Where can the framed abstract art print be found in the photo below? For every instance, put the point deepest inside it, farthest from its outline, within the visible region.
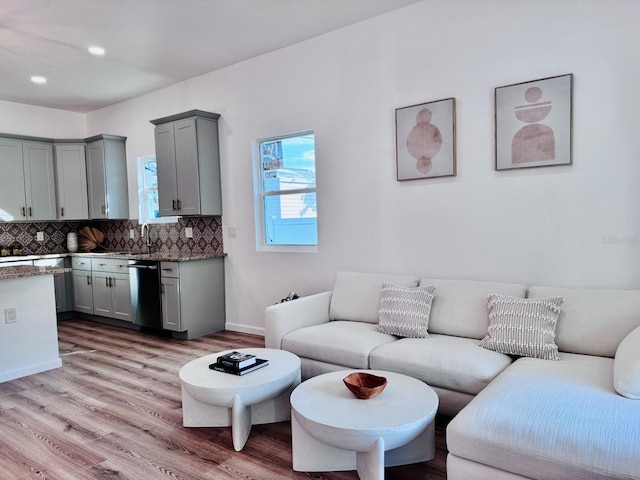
(533, 123)
(426, 140)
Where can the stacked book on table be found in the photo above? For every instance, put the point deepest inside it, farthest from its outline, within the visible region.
(238, 363)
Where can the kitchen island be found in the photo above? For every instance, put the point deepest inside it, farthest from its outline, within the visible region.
(28, 329)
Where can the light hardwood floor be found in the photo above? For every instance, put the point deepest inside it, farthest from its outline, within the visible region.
(113, 411)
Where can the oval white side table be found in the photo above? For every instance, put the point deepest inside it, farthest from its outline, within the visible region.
(216, 399)
(333, 430)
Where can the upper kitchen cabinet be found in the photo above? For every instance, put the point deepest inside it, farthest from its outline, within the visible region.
(27, 186)
(188, 162)
(71, 181)
(107, 177)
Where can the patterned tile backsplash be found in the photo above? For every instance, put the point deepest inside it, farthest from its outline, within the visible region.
(165, 237)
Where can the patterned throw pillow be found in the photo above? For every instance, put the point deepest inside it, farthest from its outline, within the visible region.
(404, 311)
(523, 326)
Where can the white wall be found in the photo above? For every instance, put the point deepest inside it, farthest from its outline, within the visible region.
(30, 345)
(571, 225)
(21, 119)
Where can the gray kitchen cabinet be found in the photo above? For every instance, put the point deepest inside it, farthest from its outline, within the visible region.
(82, 285)
(111, 288)
(188, 162)
(193, 297)
(71, 181)
(63, 283)
(27, 186)
(107, 177)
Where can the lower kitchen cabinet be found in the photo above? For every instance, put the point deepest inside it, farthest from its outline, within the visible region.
(63, 283)
(111, 289)
(82, 285)
(101, 287)
(193, 296)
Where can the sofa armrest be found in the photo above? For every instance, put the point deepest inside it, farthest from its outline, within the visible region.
(282, 318)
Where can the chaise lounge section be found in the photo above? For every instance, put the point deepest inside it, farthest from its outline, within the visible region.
(515, 417)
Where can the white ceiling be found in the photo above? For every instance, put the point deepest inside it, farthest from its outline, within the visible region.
(150, 43)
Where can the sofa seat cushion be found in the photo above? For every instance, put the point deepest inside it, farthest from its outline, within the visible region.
(454, 363)
(342, 343)
(560, 420)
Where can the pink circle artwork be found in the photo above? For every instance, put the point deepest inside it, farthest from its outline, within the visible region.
(424, 141)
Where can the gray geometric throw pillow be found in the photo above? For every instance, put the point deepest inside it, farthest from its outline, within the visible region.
(523, 326)
(404, 311)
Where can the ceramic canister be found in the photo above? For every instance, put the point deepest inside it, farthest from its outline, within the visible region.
(72, 242)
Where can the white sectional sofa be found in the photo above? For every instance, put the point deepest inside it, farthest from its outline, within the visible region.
(515, 417)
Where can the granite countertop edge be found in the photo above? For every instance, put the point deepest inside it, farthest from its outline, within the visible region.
(21, 271)
(156, 256)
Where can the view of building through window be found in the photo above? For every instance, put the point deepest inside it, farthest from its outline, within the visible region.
(288, 190)
(149, 209)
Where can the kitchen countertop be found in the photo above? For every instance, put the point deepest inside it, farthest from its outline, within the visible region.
(20, 271)
(156, 256)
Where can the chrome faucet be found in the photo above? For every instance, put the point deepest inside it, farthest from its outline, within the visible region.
(145, 234)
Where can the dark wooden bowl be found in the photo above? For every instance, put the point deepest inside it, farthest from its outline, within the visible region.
(364, 385)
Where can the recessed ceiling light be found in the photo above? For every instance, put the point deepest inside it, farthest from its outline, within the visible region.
(38, 79)
(96, 51)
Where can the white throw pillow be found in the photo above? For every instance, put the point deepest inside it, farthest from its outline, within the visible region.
(626, 366)
(523, 326)
(404, 311)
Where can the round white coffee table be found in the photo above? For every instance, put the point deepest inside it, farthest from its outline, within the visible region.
(216, 399)
(333, 430)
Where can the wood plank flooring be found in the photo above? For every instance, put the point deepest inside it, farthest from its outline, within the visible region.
(113, 411)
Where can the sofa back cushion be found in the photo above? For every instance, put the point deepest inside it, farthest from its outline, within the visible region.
(459, 307)
(592, 321)
(356, 296)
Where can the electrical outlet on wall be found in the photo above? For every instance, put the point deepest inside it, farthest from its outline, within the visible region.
(40, 237)
(10, 315)
(132, 233)
(188, 232)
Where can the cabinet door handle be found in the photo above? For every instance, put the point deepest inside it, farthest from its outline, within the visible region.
(179, 205)
(88, 280)
(173, 202)
(104, 209)
(62, 211)
(24, 212)
(162, 288)
(30, 212)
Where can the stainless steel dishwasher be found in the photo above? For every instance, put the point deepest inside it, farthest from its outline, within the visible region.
(146, 300)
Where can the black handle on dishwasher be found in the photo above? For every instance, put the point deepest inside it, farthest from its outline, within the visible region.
(147, 267)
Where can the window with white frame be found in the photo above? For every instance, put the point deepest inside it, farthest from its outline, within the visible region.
(149, 210)
(285, 184)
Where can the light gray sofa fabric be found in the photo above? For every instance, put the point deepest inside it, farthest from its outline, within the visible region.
(342, 343)
(356, 296)
(454, 363)
(592, 321)
(551, 420)
(459, 307)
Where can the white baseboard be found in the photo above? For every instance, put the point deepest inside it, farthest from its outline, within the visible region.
(30, 370)
(238, 327)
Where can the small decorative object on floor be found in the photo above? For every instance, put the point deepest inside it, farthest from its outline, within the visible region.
(364, 385)
(72, 242)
